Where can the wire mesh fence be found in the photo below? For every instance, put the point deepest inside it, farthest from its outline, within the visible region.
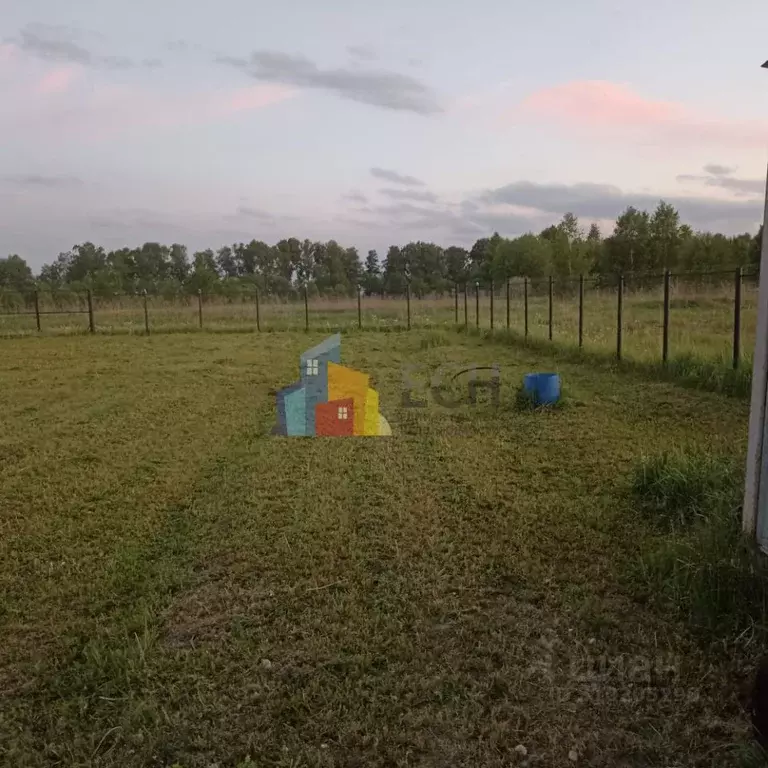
(646, 317)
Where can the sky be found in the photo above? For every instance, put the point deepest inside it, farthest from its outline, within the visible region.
(373, 123)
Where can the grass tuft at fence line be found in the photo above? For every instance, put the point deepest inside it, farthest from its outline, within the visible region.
(676, 489)
(702, 566)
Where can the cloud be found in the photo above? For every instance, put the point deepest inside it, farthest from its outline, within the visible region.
(604, 108)
(380, 88)
(424, 196)
(255, 213)
(362, 52)
(106, 110)
(65, 44)
(254, 97)
(355, 197)
(604, 201)
(452, 222)
(721, 177)
(396, 178)
(718, 170)
(57, 80)
(35, 180)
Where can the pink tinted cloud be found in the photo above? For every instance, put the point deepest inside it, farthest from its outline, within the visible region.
(107, 110)
(604, 109)
(254, 97)
(7, 52)
(597, 102)
(58, 80)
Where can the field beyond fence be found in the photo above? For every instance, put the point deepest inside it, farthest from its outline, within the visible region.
(707, 316)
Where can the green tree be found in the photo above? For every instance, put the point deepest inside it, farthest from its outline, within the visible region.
(628, 248)
(204, 276)
(394, 272)
(226, 262)
(755, 250)
(372, 282)
(593, 248)
(15, 274)
(664, 231)
(456, 264)
(480, 259)
(178, 267)
(85, 262)
(288, 259)
(526, 256)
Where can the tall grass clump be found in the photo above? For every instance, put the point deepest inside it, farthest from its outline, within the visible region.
(674, 490)
(702, 567)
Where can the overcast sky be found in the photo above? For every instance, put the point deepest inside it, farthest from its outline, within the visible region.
(373, 123)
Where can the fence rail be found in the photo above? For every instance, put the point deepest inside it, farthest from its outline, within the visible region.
(691, 304)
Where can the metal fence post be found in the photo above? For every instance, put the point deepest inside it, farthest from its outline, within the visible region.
(581, 311)
(456, 303)
(91, 325)
(306, 309)
(258, 318)
(146, 313)
(525, 303)
(491, 304)
(477, 303)
(507, 303)
(665, 329)
(550, 307)
(408, 301)
(619, 308)
(466, 313)
(200, 307)
(737, 317)
(37, 309)
(359, 310)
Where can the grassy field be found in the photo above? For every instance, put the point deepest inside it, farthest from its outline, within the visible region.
(179, 587)
(701, 317)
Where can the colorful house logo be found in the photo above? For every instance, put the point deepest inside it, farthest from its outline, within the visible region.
(330, 400)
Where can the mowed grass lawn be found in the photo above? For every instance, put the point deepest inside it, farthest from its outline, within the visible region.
(179, 587)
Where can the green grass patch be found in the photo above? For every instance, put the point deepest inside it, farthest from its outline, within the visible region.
(676, 489)
(703, 568)
(180, 587)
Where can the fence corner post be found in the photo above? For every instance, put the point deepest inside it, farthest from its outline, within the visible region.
(507, 303)
(306, 309)
(491, 310)
(665, 327)
(408, 301)
(146, 313)
(200, 307)
(91, 324)
(551, 283)
(619, 313)
(737, 281)
(456, 303)
(581, 311)
(525, 304)
(359, 309)
(37, 309)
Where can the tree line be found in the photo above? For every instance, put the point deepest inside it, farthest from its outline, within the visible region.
(640, 242)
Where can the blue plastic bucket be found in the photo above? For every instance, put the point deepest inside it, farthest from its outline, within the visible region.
(543, 388)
